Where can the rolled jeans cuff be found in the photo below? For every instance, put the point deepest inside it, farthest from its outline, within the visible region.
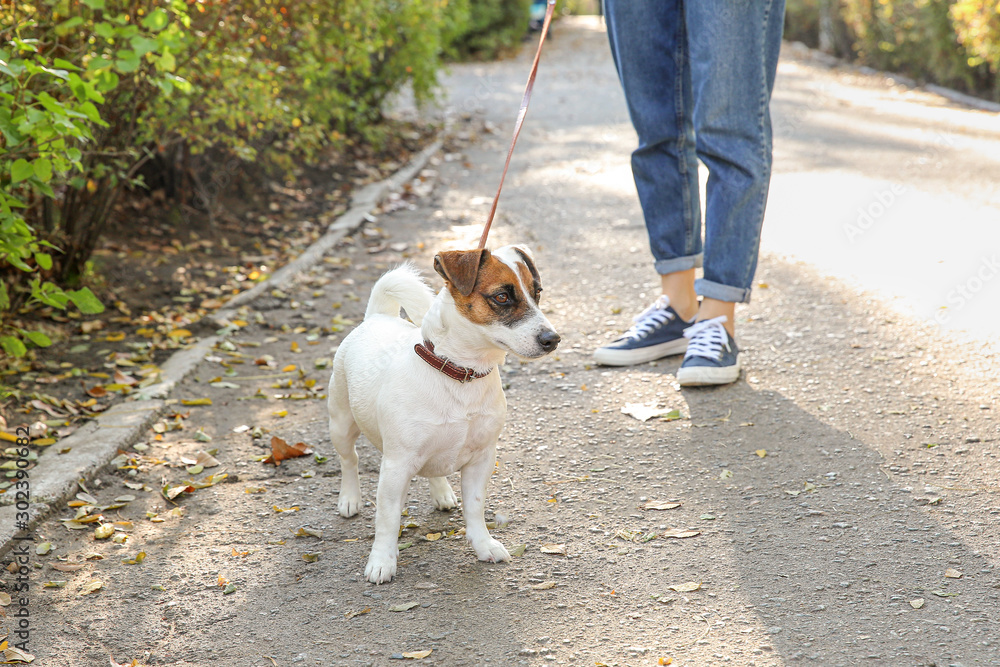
(720, 292)
(674, 264)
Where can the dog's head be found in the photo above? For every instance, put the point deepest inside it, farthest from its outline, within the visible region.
(499, 292)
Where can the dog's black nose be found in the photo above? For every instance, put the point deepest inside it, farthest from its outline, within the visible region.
(548, 339)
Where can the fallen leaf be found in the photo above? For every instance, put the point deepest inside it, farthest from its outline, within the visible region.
(686, 587)
(56, 584)
(281, 450)
(68, 567)
(544, 586)
(518, 550)
(762, 453)
(725, 474)
(646, 411)
(432, 537)
(310, 557)
(122, 378)
(945, 594)
(196, 401)
(952, 573)
(4, 599)
(177, 334)
(680, 533)
(558, 549)
(230, 588)
(90, 587)
(13, 654)
(660, 505)
(279, 510)
(352, 614)
(309, 532)
(139, 557)
(917, 603)
(417, 655)
(406, 606)
(104, 531)
(43, 548)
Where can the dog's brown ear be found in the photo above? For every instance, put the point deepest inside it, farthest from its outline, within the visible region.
(460, 267)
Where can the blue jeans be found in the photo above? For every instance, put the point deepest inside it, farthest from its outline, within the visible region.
(698, 77)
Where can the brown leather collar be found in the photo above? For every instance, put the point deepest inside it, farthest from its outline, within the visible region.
(426, 352)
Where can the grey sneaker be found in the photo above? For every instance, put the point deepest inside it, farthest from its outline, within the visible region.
(712, 356)
(657, 332)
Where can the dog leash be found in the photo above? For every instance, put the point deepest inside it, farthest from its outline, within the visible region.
(520, 119)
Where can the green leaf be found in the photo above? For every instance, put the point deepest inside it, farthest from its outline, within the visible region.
(21, 170)
(43, 169)
(127, 61)
(44, 260)
(36, 337)
(156, 21)
(65, 64)
(104, 29)
(13, 346)
(67, 26)
(85, 300)
(4, 299)
(94, 4)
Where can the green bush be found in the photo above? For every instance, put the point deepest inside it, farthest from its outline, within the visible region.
(494, 27)
(92, 92)
(955, 43)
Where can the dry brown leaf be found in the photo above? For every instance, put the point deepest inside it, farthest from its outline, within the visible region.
(13, 655)
(686, 587)
(680, 533)
(352, 614)
(917, 603)
(417, 655)
(122, 378)
(544, 586)
(281, 450)
(558, 549)
(90, 587)
(68, 567)
(660, 505)
(952, 573)
(432, 537)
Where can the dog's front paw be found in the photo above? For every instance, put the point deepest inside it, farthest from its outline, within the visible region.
(380, 569)
(491, 551)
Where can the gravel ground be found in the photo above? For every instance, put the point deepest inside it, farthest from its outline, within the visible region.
(837, 506)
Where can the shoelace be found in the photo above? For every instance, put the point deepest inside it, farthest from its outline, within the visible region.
(707, 338)
(649, 319)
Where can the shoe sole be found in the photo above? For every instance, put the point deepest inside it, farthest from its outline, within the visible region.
(701, 376)
(609, 357)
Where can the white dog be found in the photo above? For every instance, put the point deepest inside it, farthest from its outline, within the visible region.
(428, 393)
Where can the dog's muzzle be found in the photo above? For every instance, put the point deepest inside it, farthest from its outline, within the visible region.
(548, 340)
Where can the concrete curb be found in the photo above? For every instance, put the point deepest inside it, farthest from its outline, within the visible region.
(54, 480)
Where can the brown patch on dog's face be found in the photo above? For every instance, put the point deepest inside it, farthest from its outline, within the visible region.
(496, 295)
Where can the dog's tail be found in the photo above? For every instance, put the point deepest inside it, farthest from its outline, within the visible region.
(403, 287)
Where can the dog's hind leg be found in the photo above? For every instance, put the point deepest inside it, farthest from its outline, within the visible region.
(344, 433)
(442, 494)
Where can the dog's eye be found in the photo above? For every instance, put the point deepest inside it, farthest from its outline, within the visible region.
(502, 298)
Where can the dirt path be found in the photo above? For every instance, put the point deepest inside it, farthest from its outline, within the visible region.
(832, 490)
